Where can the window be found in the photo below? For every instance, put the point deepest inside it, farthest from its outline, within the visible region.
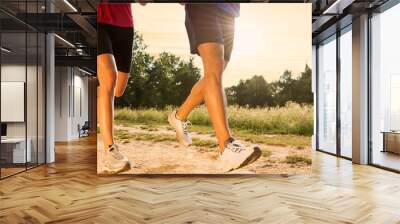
(327, 95)
(346, 92)
(385, 88)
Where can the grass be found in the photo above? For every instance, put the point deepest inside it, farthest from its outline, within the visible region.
(298, 141)
(121, 134)
(296, 159)
(124, 135)
(291, 119)
(266, 153)
(204, 143)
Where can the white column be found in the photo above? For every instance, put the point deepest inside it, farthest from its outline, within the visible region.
(50, 93)
(360, 90)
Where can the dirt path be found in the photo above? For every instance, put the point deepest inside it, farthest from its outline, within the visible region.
(168, 157)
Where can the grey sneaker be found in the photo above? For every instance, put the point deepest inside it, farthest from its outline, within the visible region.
(237, 155)
(114, 161)
(181, 129)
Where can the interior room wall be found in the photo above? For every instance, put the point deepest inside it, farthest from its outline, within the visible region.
(70, 83)
(92, 103)
(14, 73)
(61, 103)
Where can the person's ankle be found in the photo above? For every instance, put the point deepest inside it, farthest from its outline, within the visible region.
(108, 146)
(179, 117)
(225, 143)
(228, 140)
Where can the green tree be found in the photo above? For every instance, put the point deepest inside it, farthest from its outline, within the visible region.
(257, 92)
(157, 82)
(141, 66)
(253, 92)
(284, 88)
(302, 89)
(167, 80)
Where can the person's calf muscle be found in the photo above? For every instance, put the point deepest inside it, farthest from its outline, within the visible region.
(122, 81)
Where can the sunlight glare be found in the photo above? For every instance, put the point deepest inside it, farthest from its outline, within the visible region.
(248, 37)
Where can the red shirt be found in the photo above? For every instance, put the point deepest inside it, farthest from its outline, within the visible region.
(117, 14)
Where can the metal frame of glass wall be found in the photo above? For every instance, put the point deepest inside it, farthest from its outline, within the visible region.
(31, 43)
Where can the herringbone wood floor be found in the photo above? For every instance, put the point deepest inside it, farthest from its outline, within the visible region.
(69, 191)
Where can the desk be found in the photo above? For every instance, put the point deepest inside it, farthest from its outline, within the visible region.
(391, 141)
(16, 154)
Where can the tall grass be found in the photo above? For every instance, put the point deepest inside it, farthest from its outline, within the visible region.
(290, 119)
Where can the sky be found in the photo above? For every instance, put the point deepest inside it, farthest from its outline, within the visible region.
(269, 38)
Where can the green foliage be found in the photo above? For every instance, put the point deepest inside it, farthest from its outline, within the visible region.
(141, 116)
(204, 143)
(266, 153)
(257, 92)
(292, 89)
(157, 82)
(292, 119)
(295, 159)
(121, 134)
(253, 92)
(297, 141)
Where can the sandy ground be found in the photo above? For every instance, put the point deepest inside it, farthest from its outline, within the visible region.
(169, 157)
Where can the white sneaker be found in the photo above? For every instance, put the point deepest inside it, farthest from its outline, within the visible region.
(181, 129)
(114, 161)
(237, 155)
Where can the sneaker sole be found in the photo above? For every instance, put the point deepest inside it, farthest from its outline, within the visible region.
(125, 168)
(176, 133)
(251, 159)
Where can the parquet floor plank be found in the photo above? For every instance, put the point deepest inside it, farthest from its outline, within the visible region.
(70, 191)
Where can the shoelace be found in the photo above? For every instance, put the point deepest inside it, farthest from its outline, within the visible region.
(185, 125)
(236, 147)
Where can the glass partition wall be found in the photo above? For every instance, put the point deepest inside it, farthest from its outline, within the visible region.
(334, 93)
(385, 89)
(327, 95)
(22, 77)
(345, 64)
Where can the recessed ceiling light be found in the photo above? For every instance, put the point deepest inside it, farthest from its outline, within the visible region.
(84, 71)
(338, 6)
(70, 5)
(5, 50)
(65, 41)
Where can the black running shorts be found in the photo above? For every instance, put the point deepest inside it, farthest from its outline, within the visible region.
(117, 41)
(208, 23)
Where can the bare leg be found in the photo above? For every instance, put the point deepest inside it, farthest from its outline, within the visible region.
(195, 98)
(122, 81)
(107, 75)
(210, 90)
